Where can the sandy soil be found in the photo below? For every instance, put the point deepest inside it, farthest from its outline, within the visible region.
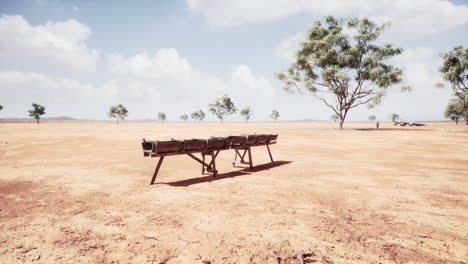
(80, 193)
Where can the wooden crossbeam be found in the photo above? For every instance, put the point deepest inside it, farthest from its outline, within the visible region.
(199, 160)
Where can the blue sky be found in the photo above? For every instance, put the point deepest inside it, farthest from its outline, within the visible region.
(80, 57)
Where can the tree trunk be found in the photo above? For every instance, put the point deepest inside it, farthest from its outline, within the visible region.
(37, 120)
(456, 121)
(342, 117)
(117, 121)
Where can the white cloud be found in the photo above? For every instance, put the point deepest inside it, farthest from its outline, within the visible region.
(146, 84)
(289, 46)
(22, 87)
(64, 96)
(57, 42)
(244, 81)
(249, 89)
(165, 64)
(409, 18)
(179, 81)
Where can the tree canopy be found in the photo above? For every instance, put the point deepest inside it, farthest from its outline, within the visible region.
(246, 113)
(274, 114)
(198, 115)
(119, 112)
(455, 110)
(372, 118)
(37, 111)
(342, 64)
(222, 107)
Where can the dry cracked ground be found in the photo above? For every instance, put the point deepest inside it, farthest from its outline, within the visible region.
(80, 193)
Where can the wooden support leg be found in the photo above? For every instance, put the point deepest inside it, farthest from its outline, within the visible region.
(157, 169)
(203, 164)
(243, 155)
(235, 159)
(250, 157)
(269, 152)
(213, 157)
(214, 165)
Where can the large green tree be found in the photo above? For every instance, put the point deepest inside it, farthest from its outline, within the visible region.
(343, 64)
(37, 111)
(119, 112)
(454, 70)
(222, 107)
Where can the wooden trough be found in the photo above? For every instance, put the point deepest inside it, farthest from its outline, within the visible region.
(207, 147)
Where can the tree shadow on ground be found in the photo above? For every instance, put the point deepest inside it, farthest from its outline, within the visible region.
(221, 176)
(392, 129)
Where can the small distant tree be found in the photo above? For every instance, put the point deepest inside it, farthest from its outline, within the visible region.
(1, 107)
(184, 117)
(454, 110)
(222, 107)
(198, 115)
(246, 113)
(334, 117)
(342, 63)
(372, 119)
(454, 70)
(119, 112)
(37, 111)
(394, 117)
(162, 117)
(275, 114)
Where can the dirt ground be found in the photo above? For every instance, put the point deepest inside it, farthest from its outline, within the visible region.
(80, 193)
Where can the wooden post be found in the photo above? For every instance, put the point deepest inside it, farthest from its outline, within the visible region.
(203, 164)
(213, 160)
(250, 157)
(157, 169)
(269, 152)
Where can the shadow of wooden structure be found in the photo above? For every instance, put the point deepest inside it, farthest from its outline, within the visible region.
(208, 147)
(245, 171)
